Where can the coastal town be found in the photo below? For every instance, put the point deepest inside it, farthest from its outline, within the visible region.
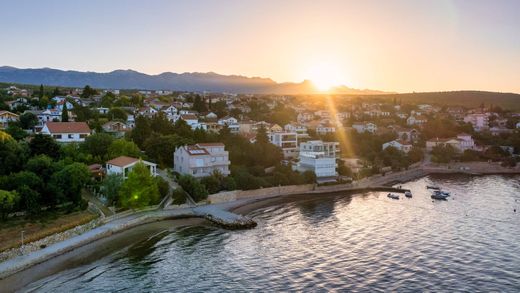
(77, 159)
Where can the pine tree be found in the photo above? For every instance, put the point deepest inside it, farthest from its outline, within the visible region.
(40, 94)
(65, 113)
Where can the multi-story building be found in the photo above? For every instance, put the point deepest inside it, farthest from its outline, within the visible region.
(362, 127)
(401, 145)
(201, 160)
(460, 143)
(478, 121)
(319, 157)
(287, 141)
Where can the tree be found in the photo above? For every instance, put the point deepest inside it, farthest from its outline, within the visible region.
(16, 131)
(65, 113)
(88, 92)
(443, 154)
(70, 180)
(117, 114)
(140, 189)
(28, 120)
(199, 105)
(30, 200)
(42, 166)
(108, 100)
(8, 200)
(141, 131)
(121, 147)
(161, 124)
(211, 183)
(13, 155)
(193, 187)
(97, 145)
(40, 93)
(44, 145)
(111, 186)
(160, 148)
(261, 136)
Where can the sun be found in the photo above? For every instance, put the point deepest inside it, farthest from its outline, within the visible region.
(324, 76)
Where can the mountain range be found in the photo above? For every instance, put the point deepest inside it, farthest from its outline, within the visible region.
(188, 81)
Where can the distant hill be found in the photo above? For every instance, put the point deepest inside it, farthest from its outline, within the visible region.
(129, 79)
(458, 98)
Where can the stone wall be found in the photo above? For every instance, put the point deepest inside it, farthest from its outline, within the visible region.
(259, 193)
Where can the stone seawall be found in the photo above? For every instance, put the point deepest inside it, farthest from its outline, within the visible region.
(258, 193)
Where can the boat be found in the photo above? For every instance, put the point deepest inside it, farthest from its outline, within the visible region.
(445, 193)
(408, 193)
(432, 187)
(437, 194)
(392, 196)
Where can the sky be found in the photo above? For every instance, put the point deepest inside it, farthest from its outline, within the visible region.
(392, 45)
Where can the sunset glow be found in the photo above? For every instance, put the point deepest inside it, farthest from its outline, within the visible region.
(324, 76)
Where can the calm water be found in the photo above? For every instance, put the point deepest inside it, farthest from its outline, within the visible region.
(361, 243)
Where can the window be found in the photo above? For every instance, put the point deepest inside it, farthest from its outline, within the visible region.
(71, 136)
(57, 136)
(83, 135)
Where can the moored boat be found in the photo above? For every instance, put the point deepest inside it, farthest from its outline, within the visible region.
(437, 194)
(408, 193)
(392, 196)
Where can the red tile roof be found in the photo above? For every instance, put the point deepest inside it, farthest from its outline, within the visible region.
(68, 127)
(122, 161)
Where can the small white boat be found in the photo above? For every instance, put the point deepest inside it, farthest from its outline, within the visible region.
(392, 196)
(437, 194)
(408, 193)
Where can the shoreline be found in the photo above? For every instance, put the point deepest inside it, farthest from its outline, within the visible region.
(23, 270)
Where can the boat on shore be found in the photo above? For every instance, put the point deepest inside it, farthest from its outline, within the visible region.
(440, 195)
(392, 196)
(408, 193)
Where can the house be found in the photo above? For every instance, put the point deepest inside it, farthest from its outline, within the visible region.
(287, 141)
(415, 120)
(275, 128)
(300, 130)
(322, 114)
(170, 110)
(325, 129)
(67, 131)
(479, 121)
(362, 127)
(7, 117)
(201, 160)
(123, 165)
(115, 128)
(49, 115)
(517, 125)
(305, 116)
(147, 111)
(400, 145)
(231, 123)
(101, 110)
(193, 121)
(405, 134)
(460, 143)
(319, 157)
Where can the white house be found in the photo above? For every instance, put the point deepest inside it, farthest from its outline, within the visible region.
(413, 120)
(191, 120)
(231, 123)
(401, 145)
(460, 143)
(322, 113)
(67, 131)
(319, 157)
(325, 129)
(305, 116)
(49, 115)
(7, 117)
(201, 160)
(123, 165)
(287, 141)
(478, 121)
(362, 127)
(301, 130)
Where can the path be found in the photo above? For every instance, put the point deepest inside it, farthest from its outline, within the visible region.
(173, 185)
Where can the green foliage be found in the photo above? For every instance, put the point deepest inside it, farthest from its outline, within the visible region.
(199, 104)
(212, 184)
(110, 187)
(44, 145)
(13, 156)
(97, 145)
(16, 131)
(443, 154)
(70, 180)
(8, 200)
(65, 113)
(141, 131)
(117, 114)
(309, 177)
(178, 196)
(193, 187)
(139, 189)
(162, 185)
(88, 92)
(30, 200)
(28, 120)
(121, 147)
(160, 148)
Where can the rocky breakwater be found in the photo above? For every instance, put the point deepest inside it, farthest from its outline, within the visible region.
(224, 218)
